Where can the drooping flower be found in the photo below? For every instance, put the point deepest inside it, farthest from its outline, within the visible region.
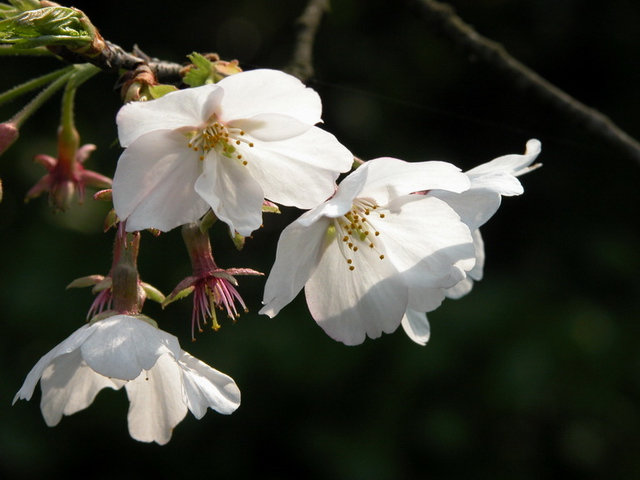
(374, 250)
(162, 381)
(212, 287)
(67, 178)
(489, 183)
(225, 146)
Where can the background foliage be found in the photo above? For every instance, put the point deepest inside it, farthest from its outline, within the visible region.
(536, 374)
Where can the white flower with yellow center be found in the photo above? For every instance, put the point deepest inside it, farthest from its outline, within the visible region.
(225, 146)
(374, 250)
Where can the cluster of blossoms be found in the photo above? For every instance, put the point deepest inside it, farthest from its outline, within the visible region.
(379, 250)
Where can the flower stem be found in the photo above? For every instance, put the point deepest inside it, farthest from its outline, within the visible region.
(81, 74)
(126, 297)
(199, 248)
(19, 118)
(32, 84)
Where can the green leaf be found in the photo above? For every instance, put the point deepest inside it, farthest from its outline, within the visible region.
(200, 73)
(46, 27)
(158, 91)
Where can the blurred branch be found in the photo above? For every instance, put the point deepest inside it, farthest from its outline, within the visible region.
(442, 17)
(301, 65)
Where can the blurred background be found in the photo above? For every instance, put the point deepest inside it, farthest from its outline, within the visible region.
(534, 375)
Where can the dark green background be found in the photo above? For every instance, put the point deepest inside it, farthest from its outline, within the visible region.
(534, 375)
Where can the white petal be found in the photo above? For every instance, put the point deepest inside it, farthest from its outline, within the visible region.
(389, 178)
(513, 164)
(426, 241)
(427, 299)
(271, 127)
(69, 385)
(475, 206)
(299, 250)
(465, 286)
(184, 109)
(157, 404)
(268, 91)
(300, 171)
(70, 344)
(502, 183)
(352, 304)
(153, 186)
(123, 347)
(233, 194)
(205, 387)
(416, 326)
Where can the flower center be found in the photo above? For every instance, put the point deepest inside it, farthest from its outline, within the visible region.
(219, 137)
(355, 230)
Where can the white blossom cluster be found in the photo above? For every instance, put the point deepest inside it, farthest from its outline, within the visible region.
(378, 250)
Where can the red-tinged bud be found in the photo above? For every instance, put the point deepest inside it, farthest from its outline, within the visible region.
(67, 177)
(8, 134)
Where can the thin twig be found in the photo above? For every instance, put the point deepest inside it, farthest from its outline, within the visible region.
(301, 65)
(443, 18)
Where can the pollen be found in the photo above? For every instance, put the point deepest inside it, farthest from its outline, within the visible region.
(221, 138)
(357, 229)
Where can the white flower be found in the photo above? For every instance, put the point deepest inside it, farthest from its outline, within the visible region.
(489, 183)
(374, 250)
(224, 146)
(162, 381)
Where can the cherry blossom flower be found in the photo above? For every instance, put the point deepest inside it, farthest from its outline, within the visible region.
(374, 250)
(161, 380)
(225, 146)
(489, 183)
(67, 178)
(212, 287)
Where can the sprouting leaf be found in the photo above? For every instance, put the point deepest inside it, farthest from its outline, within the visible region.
(46, 27)
(200, 73)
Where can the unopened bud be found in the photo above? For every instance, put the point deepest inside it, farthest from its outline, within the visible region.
(8, 134)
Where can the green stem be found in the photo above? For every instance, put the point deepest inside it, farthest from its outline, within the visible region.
(81, 74)
(30, 108)
(76, 76)
(32, 84)
(31, 52)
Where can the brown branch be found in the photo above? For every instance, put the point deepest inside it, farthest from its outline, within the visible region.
(443, 18)
(114, 59)
(301, 65)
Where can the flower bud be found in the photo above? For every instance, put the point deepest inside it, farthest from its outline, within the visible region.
(8, 134)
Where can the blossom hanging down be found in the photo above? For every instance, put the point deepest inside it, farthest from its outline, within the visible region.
(162, 380)
(489, 183)
(374, 249)
(224, 146)
(212, 287)
(67, 178)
